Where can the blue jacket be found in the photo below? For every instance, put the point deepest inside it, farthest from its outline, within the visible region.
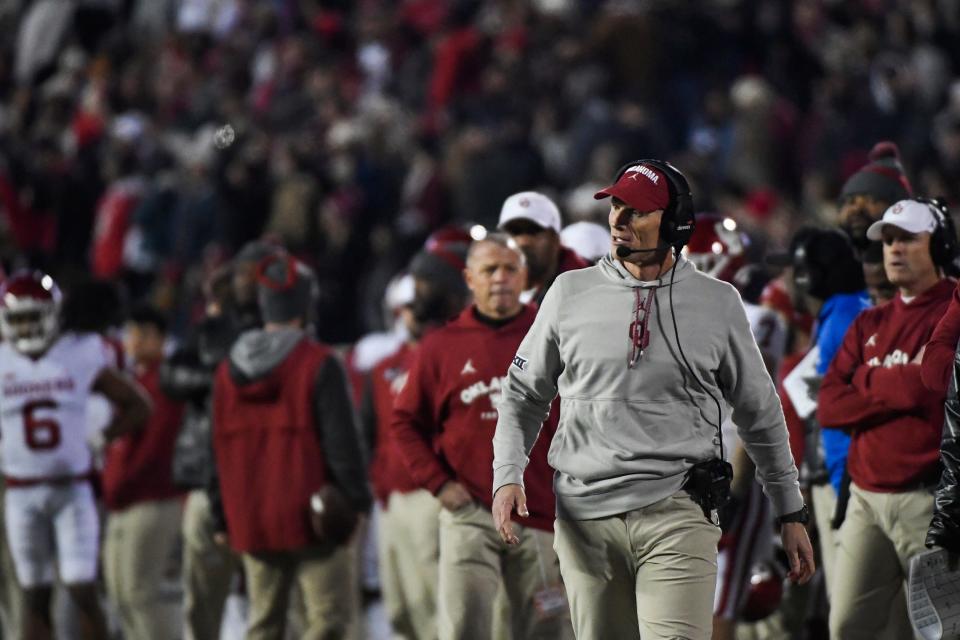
(835, 317)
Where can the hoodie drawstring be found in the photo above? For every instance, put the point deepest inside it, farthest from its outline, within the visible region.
(639, 332)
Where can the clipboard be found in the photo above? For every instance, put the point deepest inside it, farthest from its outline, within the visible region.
(795, 384)
(933, 595)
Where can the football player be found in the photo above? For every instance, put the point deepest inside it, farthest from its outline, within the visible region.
(46, 379)
(717, 248)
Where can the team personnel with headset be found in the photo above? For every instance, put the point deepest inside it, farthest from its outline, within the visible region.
(874, 390)
(642, 349)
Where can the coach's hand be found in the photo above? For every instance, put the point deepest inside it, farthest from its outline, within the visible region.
(454, 496)
(796, 543)
(508, 498)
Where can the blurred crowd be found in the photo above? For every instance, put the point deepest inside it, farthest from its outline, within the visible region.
(147, 140)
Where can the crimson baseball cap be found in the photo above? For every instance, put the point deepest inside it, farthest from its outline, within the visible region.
(641, 187)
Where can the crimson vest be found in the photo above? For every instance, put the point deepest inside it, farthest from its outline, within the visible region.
(268, 453)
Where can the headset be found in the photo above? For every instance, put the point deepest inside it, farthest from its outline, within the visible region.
(678, 220)
(833, 269)
(943, 240)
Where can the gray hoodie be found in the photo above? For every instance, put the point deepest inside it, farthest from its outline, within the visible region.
(628, 436)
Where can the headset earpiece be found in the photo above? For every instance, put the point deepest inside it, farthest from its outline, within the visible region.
(811, 268)
(678, 221)
(943, 241)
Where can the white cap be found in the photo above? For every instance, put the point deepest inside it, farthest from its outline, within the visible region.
(533, 206)
(588, 239)
(400, 292)
(909, 215)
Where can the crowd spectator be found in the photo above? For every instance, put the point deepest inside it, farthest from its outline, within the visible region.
(146, 139)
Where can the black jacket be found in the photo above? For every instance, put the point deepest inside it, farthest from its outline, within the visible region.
(188, 376)
(944, 529)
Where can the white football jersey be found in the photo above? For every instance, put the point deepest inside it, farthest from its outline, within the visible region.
(769, 331)
(43, 407)
(771, 335)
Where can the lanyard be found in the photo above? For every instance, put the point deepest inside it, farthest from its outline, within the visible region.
(639, 328)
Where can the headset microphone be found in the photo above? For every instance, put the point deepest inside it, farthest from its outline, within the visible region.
(623, 252)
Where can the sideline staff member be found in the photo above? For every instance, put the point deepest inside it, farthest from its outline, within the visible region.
(640, 370)
(443, 421)
(873, 390)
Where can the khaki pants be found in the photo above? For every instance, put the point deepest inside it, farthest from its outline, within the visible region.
(473, 560)
(207, 570)
(11, 595)
(824, 498)
(327, 580)
(139, 544)
(409, 547)
(648, 573)
(882, 531)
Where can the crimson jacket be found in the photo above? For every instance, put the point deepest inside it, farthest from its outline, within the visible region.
(283, 427)
(568, 261)
(873, 389)
(445, 416)
(937, 365)
(137, 466)
(388, 473)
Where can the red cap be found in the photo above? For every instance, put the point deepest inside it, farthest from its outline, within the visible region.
(641, 187)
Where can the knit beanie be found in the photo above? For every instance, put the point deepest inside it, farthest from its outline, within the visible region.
(286, 289)
(255, 251)
(443, 259)
(883, 177)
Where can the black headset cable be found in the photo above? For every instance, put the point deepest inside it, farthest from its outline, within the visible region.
(676, 333)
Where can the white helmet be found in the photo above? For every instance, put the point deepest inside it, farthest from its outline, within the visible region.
(588, 239)
(29, 311)
(717, 246)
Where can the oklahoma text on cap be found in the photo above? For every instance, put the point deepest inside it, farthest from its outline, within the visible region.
(641, 187)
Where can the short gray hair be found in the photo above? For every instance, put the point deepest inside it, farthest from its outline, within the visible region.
(500, 239)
